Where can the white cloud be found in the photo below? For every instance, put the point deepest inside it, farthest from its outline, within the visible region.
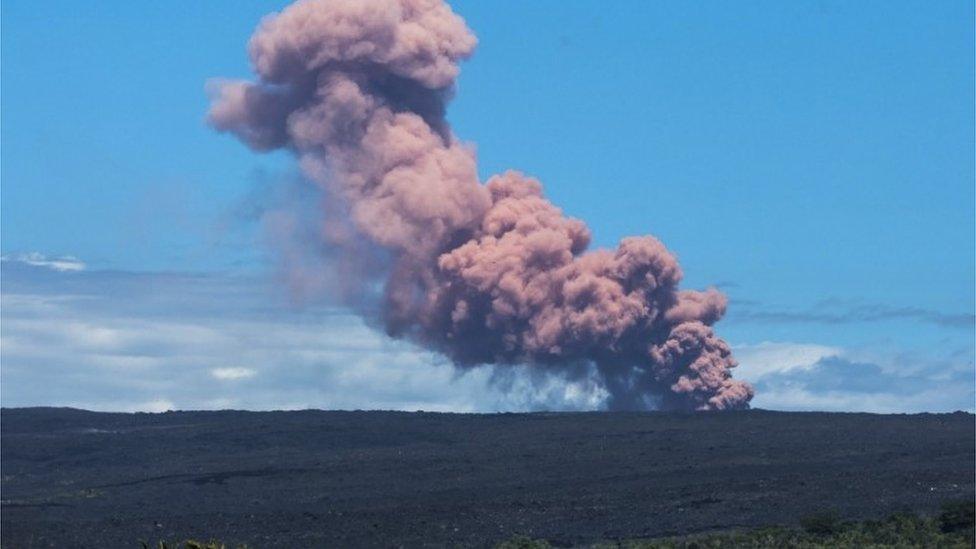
(839, 383)
(158, 405)
(118, 347)
(770, 357)
(63, 263)
(152, 341)
(942, 399)
(155, 406)
(232, 373)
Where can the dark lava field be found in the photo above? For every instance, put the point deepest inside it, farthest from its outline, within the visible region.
(72, 478)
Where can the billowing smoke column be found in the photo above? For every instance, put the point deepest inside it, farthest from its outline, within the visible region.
(483, 273)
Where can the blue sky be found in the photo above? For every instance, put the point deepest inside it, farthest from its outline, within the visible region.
(813, 159)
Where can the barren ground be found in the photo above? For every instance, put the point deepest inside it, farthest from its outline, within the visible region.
(72, 478)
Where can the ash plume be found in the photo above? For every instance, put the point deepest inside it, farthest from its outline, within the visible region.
(485, 273)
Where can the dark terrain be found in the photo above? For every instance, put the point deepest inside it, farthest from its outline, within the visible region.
(72, 478)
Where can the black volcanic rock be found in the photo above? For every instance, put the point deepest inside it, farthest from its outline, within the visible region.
(73, 478)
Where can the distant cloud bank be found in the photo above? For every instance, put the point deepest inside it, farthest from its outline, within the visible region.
(64, 263)
(126, 341)
(850, 312)
(110, 340)
(811, 377)
(231, 374)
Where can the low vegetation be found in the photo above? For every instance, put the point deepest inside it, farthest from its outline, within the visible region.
(953, 528)
(190, 544)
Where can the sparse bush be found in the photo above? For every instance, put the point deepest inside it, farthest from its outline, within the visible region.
(524, 542)
(903, 530)
(189, 544)
(826, 523)
(958, 516)
(953, 529)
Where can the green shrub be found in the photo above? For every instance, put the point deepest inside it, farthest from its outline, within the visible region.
(958, 516)
(953, 529)
(189, 544)
(524, 542)
(826, 523)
